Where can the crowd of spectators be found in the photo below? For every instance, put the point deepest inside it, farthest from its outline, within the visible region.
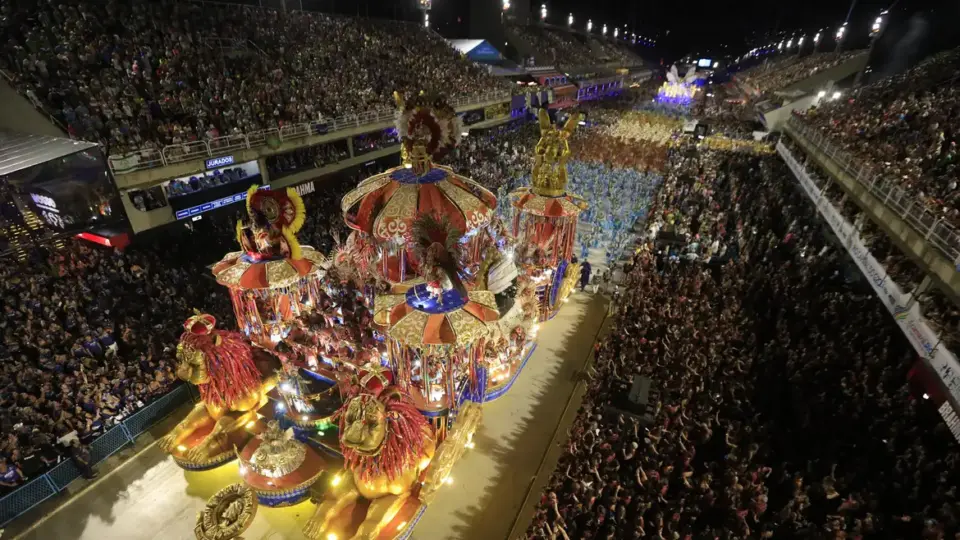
(496, 157)
(200, 182)
(938, 310)
(311, 157)
(556, 47)
(726, 113)
(150, 74)
(614, 52)
(79, 352)
(905, 129)
(371, 142)
(780, 402)
(787, 70)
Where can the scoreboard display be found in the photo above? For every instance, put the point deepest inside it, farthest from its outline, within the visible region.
(72, 193)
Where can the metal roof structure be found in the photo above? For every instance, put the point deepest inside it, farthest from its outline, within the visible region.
(20, 151)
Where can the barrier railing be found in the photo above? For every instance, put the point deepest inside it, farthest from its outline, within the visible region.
(113, 440)
(937, 232)
(179, 153)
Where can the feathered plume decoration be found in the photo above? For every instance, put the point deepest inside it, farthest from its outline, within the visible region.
(436, 246)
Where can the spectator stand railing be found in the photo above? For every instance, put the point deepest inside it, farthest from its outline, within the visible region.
(178, 153)
(57, 479)
(937, 232)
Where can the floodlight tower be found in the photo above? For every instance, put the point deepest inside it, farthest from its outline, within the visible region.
(841, 33)
(425, 6)
(876, 30)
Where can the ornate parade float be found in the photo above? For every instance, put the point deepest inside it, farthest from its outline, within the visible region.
(357, 381)
(545, 220)
(679, 91)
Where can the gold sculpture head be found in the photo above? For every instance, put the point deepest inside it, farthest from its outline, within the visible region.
(550, 155)
(365, 425)
(192, 365)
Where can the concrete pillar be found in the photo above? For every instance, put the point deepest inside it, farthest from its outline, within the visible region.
(922, 288)
(264, 172)
(350, 145)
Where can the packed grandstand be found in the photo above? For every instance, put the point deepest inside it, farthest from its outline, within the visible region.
(770, 420)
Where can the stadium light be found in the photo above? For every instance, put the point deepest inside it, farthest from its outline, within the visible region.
(589, 25)
(800, 41)
(821, 93)
(426, 20)
(570, 20)
(506, 5)
(790, 43)
(836, 95)
(604, 29)
(877, 24)
(543, 12)
(616, 32)
(841, 31)
(816, 38)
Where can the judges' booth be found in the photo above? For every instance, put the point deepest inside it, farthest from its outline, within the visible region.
(53, 188)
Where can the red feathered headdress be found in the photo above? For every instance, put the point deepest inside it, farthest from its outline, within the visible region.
(403, 446)
(228, 358)
(283, 210)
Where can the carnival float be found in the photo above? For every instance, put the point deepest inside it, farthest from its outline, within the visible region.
(357, 380)
(545, 218)
(678, 90)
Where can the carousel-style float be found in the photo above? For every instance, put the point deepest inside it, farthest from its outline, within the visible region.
(545, 218)
(383, 210)
(278, 292)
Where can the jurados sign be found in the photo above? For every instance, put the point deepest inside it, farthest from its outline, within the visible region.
(222, 161)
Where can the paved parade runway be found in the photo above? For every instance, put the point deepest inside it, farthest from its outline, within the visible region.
(150, 498)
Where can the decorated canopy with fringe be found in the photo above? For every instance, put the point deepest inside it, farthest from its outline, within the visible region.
(418, 320)
(386, 205)
(240, 270)
(527, 200)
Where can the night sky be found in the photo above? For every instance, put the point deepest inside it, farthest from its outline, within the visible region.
(705, 27)
(709, 28)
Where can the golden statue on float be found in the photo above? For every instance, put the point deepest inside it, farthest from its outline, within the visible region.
(386, 444)
(221, 364)
(551, 155)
